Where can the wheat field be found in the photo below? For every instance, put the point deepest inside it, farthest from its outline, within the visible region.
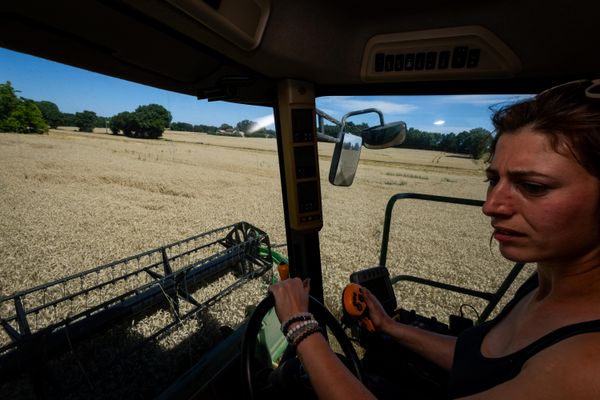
(70, 201)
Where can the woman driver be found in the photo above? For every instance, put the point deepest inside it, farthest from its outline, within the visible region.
(544, 204)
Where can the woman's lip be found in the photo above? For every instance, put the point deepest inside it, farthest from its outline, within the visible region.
(504, 234)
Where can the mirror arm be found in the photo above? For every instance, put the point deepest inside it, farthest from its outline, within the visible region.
(365, 111)
(326, 138)
(321, 115)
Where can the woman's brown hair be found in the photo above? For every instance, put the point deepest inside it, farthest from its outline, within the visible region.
(566, 114)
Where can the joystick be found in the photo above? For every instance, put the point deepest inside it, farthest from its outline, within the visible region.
(355, 306)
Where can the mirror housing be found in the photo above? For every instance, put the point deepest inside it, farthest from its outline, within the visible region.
(384, 136)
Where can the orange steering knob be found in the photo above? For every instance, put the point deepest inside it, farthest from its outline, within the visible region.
(355, 306)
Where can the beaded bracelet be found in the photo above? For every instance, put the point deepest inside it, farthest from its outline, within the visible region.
(302, 325)
(298, 331)
(305, 316)
(306, 333)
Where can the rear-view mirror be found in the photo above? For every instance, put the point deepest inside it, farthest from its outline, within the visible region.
(384, 136)
(345, 159)
(346, 152)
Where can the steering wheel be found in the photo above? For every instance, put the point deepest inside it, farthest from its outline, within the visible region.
(290, 369)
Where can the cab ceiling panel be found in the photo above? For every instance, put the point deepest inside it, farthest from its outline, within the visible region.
(549, 38)
(235, 49)
(103, 38)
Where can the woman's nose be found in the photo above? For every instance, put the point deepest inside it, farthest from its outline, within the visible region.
(498, 201)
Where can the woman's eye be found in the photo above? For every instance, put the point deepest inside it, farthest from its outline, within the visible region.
(534, 188)
(492, 181)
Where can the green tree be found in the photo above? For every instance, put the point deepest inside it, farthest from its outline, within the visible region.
(68, 119)
(26, 118)
(478, 142)
(244, 126)
(152, 120)
(18, 114)
(123, 122)
(50, 112)
(355, 128)
(448, 143)
(85, 121)
(8, 100)
(416, 139)
(205, 128)
(182, 126)
(331, 130)
(101, 122)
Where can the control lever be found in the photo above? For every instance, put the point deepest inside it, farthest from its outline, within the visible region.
(284, 270)
(355, 306)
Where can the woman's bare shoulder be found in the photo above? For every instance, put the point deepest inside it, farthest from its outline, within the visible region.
(570, 367)
(567, 370)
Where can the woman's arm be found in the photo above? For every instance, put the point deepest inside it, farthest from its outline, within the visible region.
(328, 375)
(435, 347)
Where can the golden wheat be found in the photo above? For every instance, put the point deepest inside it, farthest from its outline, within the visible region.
(70, 201)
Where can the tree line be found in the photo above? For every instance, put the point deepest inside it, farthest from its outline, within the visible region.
(22, 115)
(18, 114)
(475, 142)
(242, 128)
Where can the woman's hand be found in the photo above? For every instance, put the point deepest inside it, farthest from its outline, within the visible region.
(291, 297)
(377, 314)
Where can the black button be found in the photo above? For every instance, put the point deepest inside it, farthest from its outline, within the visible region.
(420, 61)
(444, 60)
(473, 58)
(389, 62)
(215, 4)
(459, 56)
(409, 61)
(379, 61)
(430, 60)
(399, 62)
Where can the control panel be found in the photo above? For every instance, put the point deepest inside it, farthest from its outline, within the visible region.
(457, 52)
(301, 162)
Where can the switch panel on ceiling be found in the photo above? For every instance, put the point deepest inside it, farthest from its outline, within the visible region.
(434, 54)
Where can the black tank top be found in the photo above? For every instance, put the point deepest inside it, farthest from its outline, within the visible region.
(472, 372)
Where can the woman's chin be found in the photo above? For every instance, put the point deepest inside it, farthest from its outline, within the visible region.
(516, 255)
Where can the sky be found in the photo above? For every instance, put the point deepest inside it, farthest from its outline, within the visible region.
(75, 90)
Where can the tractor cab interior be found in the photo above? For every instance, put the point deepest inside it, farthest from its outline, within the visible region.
(286, 55)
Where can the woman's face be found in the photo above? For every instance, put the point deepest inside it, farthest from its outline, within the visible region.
(543, 205)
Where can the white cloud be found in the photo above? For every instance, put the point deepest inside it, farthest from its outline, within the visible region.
(439, 122)
(480, 99)
(346, 104)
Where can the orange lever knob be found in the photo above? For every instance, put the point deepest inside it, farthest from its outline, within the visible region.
(284, 271)
(355, 306)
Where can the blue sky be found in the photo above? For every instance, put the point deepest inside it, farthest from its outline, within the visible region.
(73, 90)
